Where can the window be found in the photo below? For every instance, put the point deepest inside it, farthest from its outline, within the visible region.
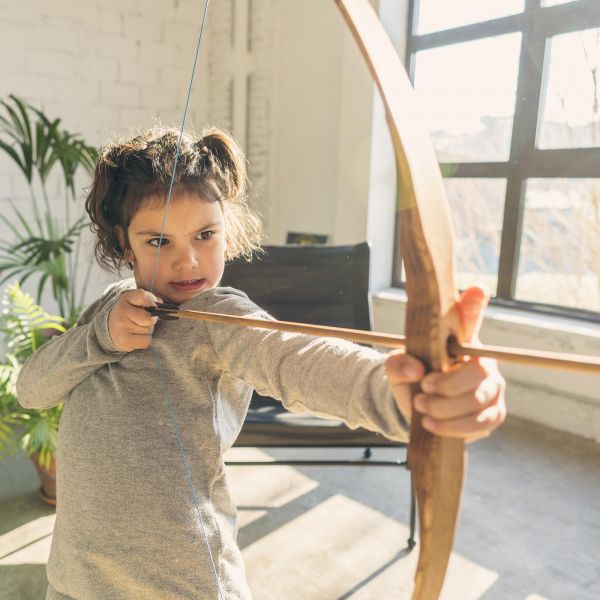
(511, 93)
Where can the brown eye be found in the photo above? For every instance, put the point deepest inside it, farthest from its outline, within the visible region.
(156, 242)
(206, 235)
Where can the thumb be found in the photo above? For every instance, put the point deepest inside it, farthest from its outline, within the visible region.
(471, 306)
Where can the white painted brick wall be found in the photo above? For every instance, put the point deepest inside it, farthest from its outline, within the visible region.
(221, 65)
(105, 68)
(110, 68)
(242, 37)
(262, 34)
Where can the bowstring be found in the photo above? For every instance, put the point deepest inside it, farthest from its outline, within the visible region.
(164, 387)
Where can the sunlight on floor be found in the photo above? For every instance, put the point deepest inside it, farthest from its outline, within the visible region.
(255, 489)
(29, 543)
(342, 548)
(306, 547)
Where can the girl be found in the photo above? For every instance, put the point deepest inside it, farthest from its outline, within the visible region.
(136, 391)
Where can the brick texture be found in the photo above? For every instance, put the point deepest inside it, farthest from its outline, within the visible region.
(110, 68)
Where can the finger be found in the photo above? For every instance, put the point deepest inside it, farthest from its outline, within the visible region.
(135, 328)
(469, 427)
(139, 341)
(403, 368)
(444, 408)
(471, 307)
(403, 400)
(467, 377)
(477, 436)
(141, 297)
(139, 316)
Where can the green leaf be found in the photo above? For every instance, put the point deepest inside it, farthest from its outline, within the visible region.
(11, 152)
(22, 219)
(24, 129)
(25, 123)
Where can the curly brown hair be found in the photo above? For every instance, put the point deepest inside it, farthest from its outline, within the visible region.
(128, 172)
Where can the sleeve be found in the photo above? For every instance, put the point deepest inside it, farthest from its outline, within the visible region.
(330, 378)
(50, 374)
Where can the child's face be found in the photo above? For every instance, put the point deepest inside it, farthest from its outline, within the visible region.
(192, 255)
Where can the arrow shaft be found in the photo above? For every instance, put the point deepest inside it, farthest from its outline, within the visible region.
(536, 358)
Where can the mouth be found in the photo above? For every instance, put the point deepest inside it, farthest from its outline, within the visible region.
(188, 285)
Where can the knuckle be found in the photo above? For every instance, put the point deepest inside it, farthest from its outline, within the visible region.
(501, 385)
(481, 396)
(501, 416)
(479, 370)
(421, 404)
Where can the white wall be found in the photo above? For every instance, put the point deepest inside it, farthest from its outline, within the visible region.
(322, 119)
(285, 77)
(333, 169)
(105, 68)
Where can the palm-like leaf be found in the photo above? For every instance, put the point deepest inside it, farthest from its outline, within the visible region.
(41, 145)
(26, 326)
(17, 126)
(25, 323)
(38, 250)
(8, 405)
(37, 144)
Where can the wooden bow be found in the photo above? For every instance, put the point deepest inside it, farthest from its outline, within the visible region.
(426, 237)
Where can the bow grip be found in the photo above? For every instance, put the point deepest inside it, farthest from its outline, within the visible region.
(163, 311)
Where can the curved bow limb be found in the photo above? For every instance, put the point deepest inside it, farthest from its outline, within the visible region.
(427, 249)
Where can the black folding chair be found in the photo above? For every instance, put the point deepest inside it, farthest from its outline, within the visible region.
(324, 285)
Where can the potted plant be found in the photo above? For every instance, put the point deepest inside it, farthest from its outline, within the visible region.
(48, 244)
(26, 326)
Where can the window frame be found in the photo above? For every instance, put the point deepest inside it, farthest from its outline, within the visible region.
(525, 161)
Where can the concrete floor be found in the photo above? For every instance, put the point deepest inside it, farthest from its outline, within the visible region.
(529, 530)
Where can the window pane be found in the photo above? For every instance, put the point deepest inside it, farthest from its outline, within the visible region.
(560, 248)
(468, 103)
(571, 111)
(477, 207)
(435, 15)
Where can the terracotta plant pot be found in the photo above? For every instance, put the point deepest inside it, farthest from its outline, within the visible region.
(47, 491)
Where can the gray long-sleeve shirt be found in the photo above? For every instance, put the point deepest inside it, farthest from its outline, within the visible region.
(127, 526)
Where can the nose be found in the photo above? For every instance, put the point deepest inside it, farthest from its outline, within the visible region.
(185, 258)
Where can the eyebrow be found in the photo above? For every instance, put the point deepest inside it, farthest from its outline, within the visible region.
(165, 234)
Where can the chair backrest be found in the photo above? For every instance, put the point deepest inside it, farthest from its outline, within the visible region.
(324, 285)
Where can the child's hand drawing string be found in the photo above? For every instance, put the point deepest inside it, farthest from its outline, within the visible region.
(165, 389)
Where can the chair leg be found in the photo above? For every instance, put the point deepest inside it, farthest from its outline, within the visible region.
(413, 516)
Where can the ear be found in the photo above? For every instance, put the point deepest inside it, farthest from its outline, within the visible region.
(128, 255)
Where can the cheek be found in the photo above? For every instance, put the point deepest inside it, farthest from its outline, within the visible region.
(145, 261)
(218, 258)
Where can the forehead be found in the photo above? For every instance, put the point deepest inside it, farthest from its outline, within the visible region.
(184, 208)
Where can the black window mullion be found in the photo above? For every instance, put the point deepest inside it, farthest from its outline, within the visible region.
(566, 18)
(466, 33)
(529, 84)
(473, 170)
(526, 161)
(511, 237)
(563, 162)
